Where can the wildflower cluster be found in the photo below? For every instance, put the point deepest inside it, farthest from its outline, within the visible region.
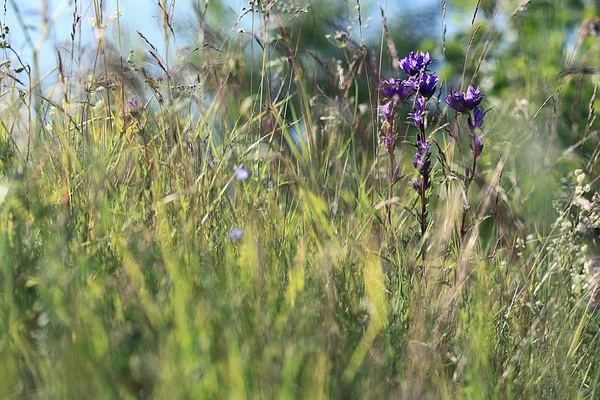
(468, 103)
(421, 84)
(418, 88)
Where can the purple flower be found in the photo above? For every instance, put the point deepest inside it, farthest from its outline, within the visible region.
(477, 145)
(389, 142)
(473, 97)
(133, 103)
(418, 116)
(477, 120)
(394, 89)
(422, 160)
(241, 173)
(464, 101)
(423, 84)
(456, 101)
(415, 64)
(387, 111)
(236, 234)
(396, 174)
(416, 185)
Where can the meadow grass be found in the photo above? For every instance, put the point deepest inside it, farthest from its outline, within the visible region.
(122, 278)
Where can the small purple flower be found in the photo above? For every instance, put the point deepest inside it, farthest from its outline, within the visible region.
(423, 84)
(394, 89)
(477, 120)
(389, 142)
(415, 64)
(241, 173)
(416, 185)
(418, 116)
(464, 101)
(396, 174)
(236, 234)
(477, 145)
(387, 111)
(422, 160)
(133, 103)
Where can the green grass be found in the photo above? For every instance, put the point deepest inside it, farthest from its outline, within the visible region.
(118, 279)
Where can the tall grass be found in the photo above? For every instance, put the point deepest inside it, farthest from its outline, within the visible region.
(120, 278)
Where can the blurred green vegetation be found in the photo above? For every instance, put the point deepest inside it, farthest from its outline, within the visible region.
(118, 276)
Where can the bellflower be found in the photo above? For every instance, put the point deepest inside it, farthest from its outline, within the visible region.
(415, 64)
(422, 160)
(389, 142)
(422, 163)
(477, 145)
(418, 116)
(396, 174)
(416, 185)
(477, 120)
(394, 89)
(464, 101)
(423, 84)
(387, 111)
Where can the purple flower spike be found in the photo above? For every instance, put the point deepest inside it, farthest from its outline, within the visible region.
(477, 120)
(236, 234)
(387, 111)
(415, 64)
(394, 89)
(418, 116)
(477, 145)
(422, 160)
(241, 173)
(464, 101)
(423, 84)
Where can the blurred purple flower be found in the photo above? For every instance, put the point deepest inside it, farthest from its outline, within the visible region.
(464, 101)
(423, 84)
(387, 111)
(389, 142)
(415, 64)
(477, 145)
(133, 103)
(236, 234)
(241, 173)
(416, 185)
(396, 174)
(477, 120)
(394, 89)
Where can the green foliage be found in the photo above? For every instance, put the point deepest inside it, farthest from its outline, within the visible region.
(119, 279)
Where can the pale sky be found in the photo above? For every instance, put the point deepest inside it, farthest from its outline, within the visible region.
(139, 15)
